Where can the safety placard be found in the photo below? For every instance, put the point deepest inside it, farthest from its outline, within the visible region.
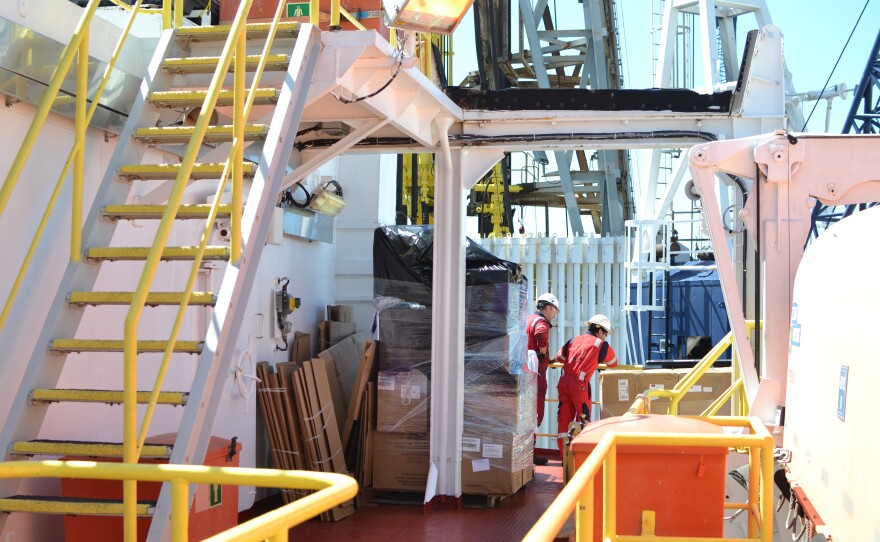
(469, 444)
(385, 383)
(495, 451)
(841, 393)
(298, 9)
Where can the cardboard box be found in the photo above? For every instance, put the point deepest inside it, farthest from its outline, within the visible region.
(617, 391)
(660, 379)
(619, 388)
(500, 402)
(402, 401)
(710, 386)
(493, 463)
(340, 313)
(400, 461)
(333, 332)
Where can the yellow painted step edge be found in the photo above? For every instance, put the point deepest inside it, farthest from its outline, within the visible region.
(170, 253)
(189, 210)
(153, 298)
(263, 96)
(85, 449)
(78, 508)
(105, 345)
(104, 396)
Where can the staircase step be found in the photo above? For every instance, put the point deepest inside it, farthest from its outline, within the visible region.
(136, 212)
(287, 29)
(84, 449)
(170, 171)
(74, 506)
(158, 135)
(153, 298)
(170, 253)
(110, 345)
(42, 395)
(207, 64)
(195, 98)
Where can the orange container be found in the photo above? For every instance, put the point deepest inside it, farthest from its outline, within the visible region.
(369, 13)
(214, 509)
(684, 486)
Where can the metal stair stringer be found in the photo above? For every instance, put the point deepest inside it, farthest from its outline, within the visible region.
(43, 369)
(229, 312)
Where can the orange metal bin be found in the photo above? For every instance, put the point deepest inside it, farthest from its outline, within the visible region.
(214, 509)
(683, 486)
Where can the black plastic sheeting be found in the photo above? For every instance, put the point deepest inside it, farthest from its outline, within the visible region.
(403, 264)
(575, 99)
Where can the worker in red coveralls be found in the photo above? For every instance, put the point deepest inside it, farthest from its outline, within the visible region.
(580, 357)
(538, 330)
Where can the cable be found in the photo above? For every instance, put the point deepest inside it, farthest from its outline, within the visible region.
(383, 87)
(853, 31)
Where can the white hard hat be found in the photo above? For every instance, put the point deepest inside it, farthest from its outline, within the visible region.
(549, 298)
(600, 320)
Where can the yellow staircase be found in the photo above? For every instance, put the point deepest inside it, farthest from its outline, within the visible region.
(175, 83)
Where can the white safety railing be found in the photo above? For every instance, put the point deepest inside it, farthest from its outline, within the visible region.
(588, 276)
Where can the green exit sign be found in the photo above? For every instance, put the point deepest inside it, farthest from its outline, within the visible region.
(298, 9)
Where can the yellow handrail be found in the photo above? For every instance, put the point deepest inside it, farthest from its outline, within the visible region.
(166, 14)
(46, 101)
(78, 144)
(236, 156)
(129, 409)
(351, 18)
(677, 393)
(577, 495)
(331, 489)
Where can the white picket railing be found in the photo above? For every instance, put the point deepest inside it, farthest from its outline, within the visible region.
(588, 276)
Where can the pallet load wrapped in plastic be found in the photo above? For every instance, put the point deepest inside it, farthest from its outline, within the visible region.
(499, 395)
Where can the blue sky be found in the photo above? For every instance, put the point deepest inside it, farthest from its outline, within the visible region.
(814, 31)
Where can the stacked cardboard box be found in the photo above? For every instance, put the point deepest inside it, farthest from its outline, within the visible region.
(619, 389)
(499, 409)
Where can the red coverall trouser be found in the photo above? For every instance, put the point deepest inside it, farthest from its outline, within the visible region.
(572, 401)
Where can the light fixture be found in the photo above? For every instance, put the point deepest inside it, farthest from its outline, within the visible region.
(327, 200)
(434, 16)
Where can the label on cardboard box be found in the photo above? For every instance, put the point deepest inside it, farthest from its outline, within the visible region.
(696, 388)
(385, 383)
(495, 451)
(707, 389)
(469, 444)
(623, 390)
(480, 465)
(656, 387)
(410, 392)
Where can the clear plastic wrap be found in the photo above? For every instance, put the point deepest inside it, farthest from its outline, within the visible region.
(499, 392)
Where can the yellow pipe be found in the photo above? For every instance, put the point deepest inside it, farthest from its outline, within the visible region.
(609, 475)
(45, 104)
(16, 286)
(331, 488)
(351, 18)
(584, 516)
(237, 157)
(315, 12)
(555, 516)
(766, 498)
(334, 13)
(179, 503)
(197, 259)
(79, 163)
(130, 449)
(166, 14)
(178, 13)
(713, 409)
(754, 488)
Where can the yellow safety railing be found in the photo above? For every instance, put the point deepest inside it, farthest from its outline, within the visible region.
(331, 489)
(577, 495)
(234, 163)
(78, 45)
(693, 376)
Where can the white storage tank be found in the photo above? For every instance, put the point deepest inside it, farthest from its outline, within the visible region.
(831, 423)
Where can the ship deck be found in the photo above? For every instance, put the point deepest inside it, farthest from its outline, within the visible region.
(402, 516)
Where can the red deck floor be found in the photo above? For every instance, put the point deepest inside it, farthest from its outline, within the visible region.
(508, 521)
